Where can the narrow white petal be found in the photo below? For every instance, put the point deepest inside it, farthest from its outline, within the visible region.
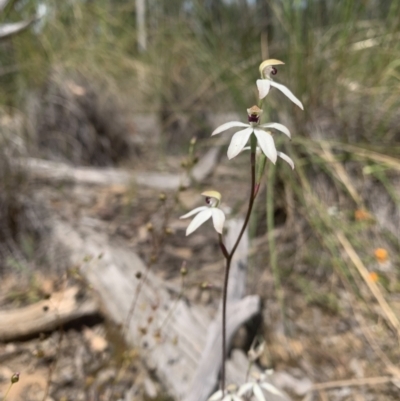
(216, 396)
(199, 220)
(286, 158)
(263, 86)
(238, 142)
(258, 393)
(272, 389)
(288, 93)
(236, 398)
(279, 127)
(218, 217)
(267, 144)
(244, 388)
(194, 211)
(226, 126)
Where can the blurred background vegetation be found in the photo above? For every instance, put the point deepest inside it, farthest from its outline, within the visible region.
(78, 83)
(72, 83)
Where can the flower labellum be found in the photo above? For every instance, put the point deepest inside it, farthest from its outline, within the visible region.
(203, 213)
(254, 114)
(267, 68)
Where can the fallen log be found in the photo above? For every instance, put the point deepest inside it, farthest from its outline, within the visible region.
(170, 342)
(47, 315)
(56, 172)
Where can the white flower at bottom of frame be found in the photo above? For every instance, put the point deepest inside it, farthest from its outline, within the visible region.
(203, 213)
(282, 155)
(264, 138)
(257, 388)
(230, 395)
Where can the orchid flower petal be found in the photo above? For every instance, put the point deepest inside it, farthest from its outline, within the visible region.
(238, 142)
(258, 393)
(288, 93)
(194, 211)
(245, 388)
(263, 86)
(279, 127)
(216, 396)
(267, 144)
(286, 158)
(202, 217)
(226, 126)
(270, 388)
(218, 217)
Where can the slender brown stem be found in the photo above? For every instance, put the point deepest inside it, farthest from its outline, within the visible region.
(223, 247)
(251, 201)
(224, 297)
(229, 255)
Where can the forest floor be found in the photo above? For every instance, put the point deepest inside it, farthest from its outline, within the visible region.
(316, 334)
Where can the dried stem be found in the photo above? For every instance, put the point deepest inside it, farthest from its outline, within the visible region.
(8, 390)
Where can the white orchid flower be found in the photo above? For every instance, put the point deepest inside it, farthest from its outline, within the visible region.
(282, 155)
(230, 394)
(203, 213)
(264, 138)
(256, 387)
(267, 69)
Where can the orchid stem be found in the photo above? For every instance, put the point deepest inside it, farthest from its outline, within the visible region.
(229, 255)
(228, 266)
(222, 246)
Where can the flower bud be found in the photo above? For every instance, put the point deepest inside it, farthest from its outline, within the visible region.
(15, 378)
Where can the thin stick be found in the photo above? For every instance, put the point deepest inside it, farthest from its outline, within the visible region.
(8, 390)
(371, 381)
(387, 310)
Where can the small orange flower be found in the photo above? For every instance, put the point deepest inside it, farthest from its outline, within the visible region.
(362, 214)
(373, 277)
(381, 255)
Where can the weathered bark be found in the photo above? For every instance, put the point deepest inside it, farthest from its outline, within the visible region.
(59, 309)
